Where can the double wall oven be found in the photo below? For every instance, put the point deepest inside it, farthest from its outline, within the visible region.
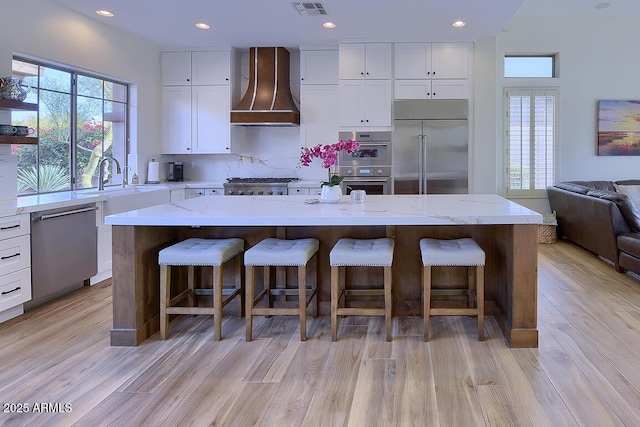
(368, 167)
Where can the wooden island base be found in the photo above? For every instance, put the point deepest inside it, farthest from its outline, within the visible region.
(510, 272)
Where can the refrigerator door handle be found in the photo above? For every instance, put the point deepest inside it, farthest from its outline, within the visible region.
(420, 163)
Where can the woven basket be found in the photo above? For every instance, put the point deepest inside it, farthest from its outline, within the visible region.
(546, 233)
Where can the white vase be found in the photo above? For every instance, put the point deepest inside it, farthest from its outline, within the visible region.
(331, 194)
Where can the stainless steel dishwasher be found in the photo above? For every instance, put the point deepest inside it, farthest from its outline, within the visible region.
(64, 251)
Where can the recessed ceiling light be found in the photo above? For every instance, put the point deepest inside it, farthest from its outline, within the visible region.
(203, 26)
(104, 13)
(458, 24)
(329, 25)
(602, 5)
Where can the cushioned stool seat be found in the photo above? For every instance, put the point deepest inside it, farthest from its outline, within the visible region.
(200, 252)
(273, 252)
(360, 253)
(455, 252)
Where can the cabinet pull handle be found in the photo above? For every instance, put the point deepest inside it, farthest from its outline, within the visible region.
(10, 227)
(362, 74)
(10, 256)
(12, 290)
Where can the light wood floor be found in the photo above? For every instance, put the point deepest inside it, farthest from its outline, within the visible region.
(586, 371)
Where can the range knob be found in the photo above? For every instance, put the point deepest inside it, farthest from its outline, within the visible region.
(379, 171)
(260, 192)
(280, 193)
(250, 192)
(230, 192)
(270, 193)
(349, 171)
(240, 192)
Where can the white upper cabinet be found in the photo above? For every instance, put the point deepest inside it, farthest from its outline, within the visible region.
(210, 68)
(319, 118)
(196, 102)
(196, 68)
(432, 60)
(359, 61)
(431, 89)
(365, 103)
(319, 67)
(176, 68)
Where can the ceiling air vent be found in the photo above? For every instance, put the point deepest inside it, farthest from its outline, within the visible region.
(310, 9)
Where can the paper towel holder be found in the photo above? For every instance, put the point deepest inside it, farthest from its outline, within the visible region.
(153, 169)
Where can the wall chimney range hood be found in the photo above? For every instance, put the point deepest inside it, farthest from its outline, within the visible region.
(268, 100)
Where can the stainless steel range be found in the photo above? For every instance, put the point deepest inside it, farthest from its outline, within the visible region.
(256, 186)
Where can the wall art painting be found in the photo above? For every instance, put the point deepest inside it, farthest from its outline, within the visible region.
(618, 128)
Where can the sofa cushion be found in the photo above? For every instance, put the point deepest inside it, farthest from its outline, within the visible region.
(627, 208)
(630, 243)
(574, 188)
(631, 191)
(596, 185)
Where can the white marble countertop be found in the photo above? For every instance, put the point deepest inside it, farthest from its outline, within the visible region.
(454, 209)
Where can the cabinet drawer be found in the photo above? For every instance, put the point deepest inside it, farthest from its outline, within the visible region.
(15, 288)
(15, 225)
(15, 254)
(301, 190)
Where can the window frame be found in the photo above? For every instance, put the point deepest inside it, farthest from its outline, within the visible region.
(532, 92)
(75, 73)
(554, 65)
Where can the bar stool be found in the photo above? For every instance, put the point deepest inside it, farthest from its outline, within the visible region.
(273, 252)
(360, 253)
(193, 252)
(455, 252)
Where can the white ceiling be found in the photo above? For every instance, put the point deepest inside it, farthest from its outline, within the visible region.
(246, 23)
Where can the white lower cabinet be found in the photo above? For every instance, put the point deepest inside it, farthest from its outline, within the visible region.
(177, 195)
(312, 191)
(15, 263)
(190, 193)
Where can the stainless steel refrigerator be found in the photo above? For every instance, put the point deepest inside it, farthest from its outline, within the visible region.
(430, 147)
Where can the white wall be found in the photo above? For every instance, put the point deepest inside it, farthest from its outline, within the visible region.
(45, 30)
(597, 60)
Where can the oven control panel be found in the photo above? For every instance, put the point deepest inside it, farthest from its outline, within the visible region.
(365, 171)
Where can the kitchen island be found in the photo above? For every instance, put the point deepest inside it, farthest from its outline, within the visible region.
(505, 230)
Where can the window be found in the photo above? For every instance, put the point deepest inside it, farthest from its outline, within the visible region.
(531, 135)
(80, 119)
(529, 66)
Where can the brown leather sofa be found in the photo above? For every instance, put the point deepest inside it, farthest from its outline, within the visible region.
(593, 215)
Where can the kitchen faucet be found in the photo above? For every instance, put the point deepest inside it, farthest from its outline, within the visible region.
(101, 171)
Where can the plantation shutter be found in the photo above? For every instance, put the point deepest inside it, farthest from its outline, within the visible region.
(531, 137)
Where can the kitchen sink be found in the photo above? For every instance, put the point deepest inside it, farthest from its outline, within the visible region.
(129, 198)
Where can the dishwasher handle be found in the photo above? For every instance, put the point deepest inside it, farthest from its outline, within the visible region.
(65, 213)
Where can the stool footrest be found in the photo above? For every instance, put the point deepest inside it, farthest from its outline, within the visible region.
(451, 291)
(275, 311)
(190, 310)
(379, 292)
(208, 291)
(454, 311)
(353, 311)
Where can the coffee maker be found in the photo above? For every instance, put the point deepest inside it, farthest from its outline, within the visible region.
(178, 171)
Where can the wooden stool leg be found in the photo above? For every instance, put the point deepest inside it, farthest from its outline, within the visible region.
(249, 289)
(302, 300)
(165, 296)
(334, 302)
(388, 300)
(191, 283)
(217, 302)
(314, 285)
(480, 300)
(239, 284)
(426, 299)
(266, 273)
(471, 275)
